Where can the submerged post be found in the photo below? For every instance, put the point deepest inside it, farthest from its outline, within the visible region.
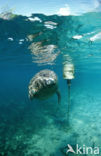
(68, 74)
(69, 101)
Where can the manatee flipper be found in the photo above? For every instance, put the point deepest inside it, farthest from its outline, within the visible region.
(59, 96)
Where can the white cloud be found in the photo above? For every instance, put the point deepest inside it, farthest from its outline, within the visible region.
(64, 11)
(72, 9)
(96, 3)
(90, 7)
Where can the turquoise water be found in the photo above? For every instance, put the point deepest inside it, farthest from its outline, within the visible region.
(28, 45)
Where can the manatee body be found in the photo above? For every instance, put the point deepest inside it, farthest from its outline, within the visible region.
(43, 85)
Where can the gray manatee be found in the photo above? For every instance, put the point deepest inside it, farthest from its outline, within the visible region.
(43, 85)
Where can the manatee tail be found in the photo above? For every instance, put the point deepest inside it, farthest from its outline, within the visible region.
(59, 96)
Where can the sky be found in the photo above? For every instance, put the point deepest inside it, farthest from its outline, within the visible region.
(49, 7)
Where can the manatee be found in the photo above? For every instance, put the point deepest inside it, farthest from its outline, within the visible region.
(43, 85)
